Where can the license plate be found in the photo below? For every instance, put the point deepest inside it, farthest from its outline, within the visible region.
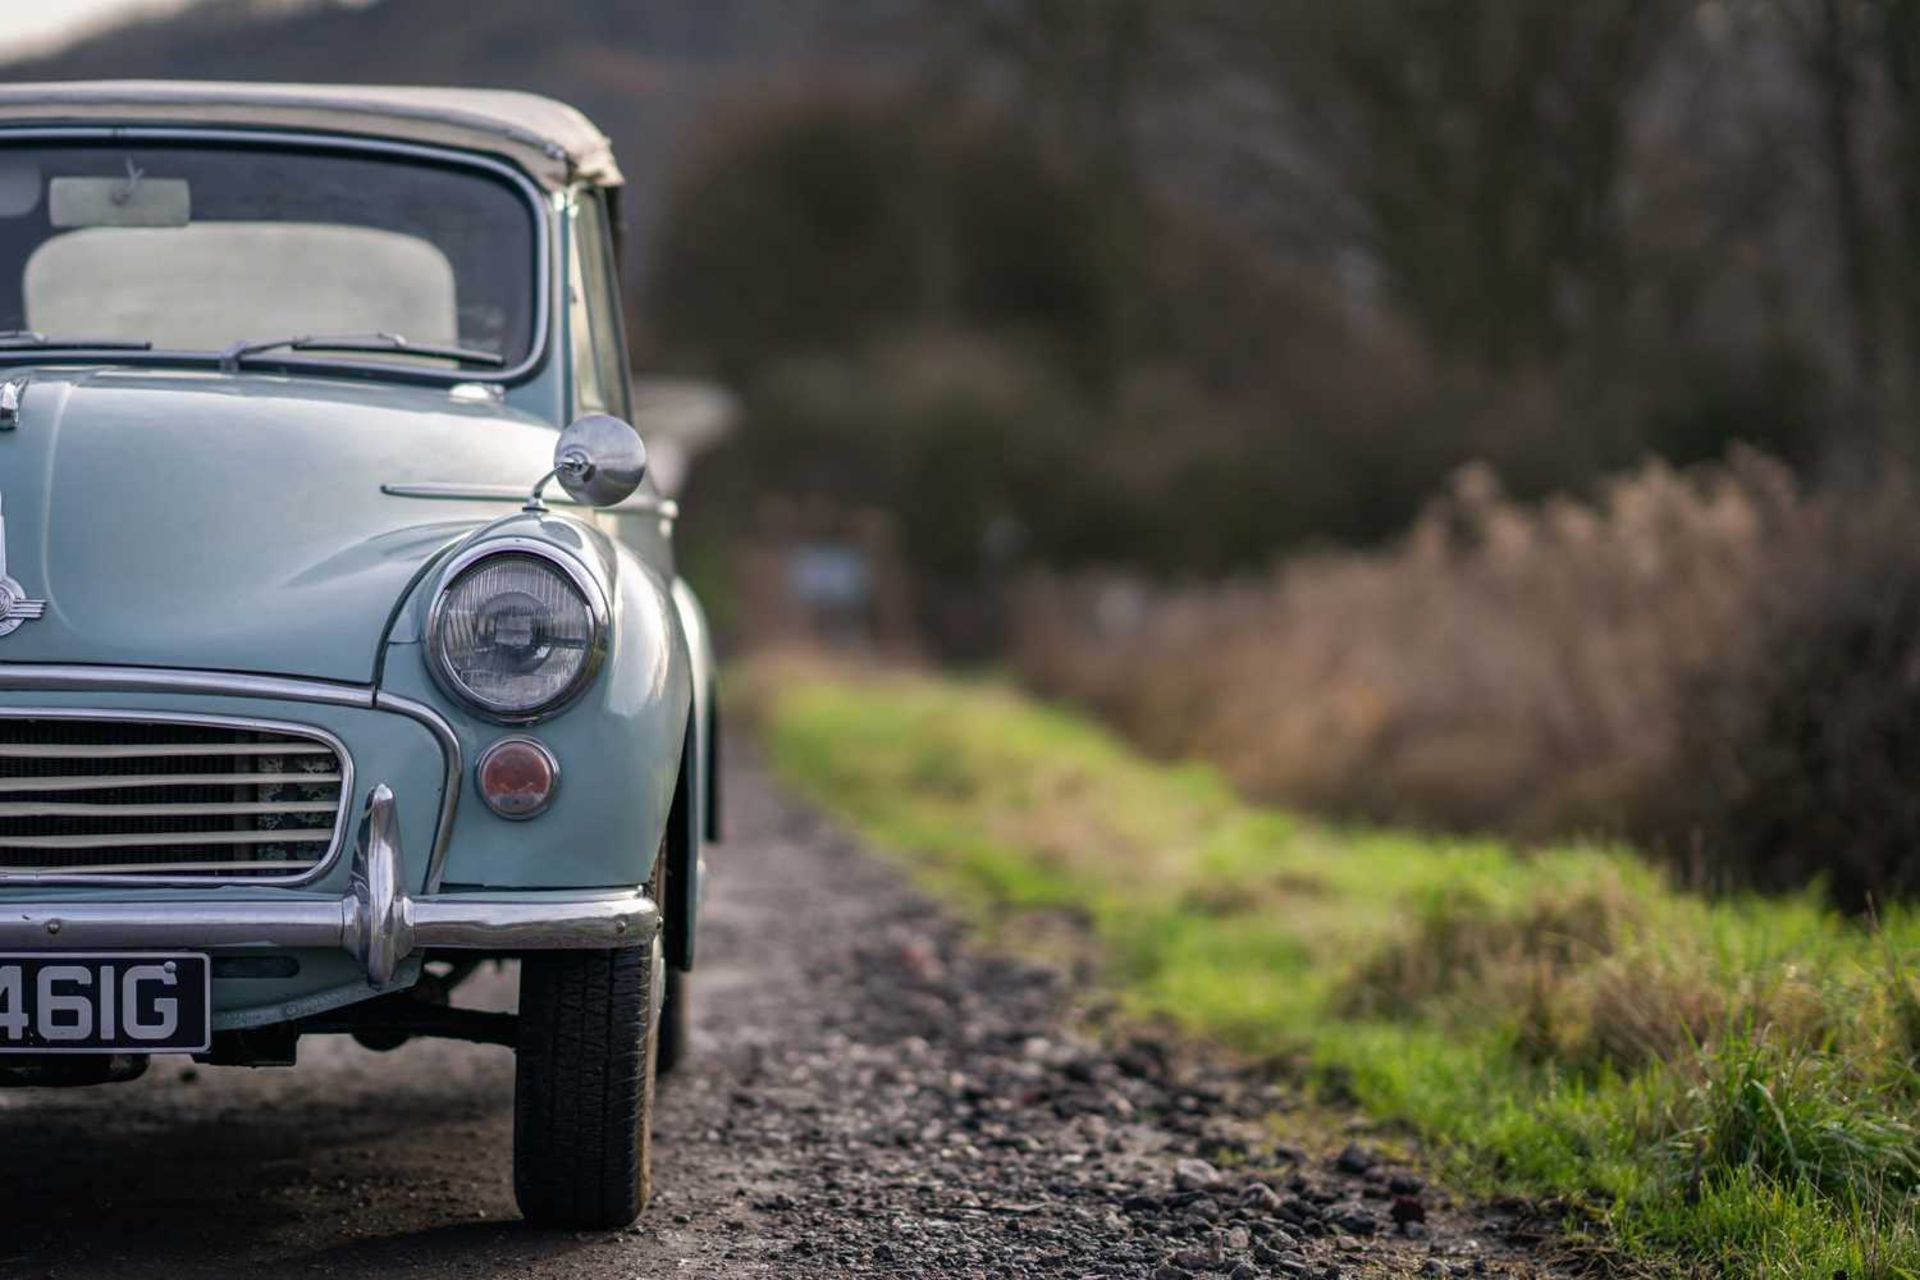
(121, 1003)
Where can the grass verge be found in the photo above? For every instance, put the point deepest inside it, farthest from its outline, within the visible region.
(1730, 1086)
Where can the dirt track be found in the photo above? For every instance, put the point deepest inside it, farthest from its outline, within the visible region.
(866, 1095)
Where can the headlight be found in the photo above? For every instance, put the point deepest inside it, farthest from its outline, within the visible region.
(516, 634)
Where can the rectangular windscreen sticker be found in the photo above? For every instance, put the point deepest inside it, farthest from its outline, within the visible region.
(132, 201)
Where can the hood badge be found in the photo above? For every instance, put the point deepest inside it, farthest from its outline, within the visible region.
(15, 608)
(12, 391)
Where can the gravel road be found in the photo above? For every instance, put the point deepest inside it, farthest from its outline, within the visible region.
(866, 1095)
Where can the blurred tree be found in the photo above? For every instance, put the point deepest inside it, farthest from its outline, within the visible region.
(1900, 55)
(1078, 77)
(1081, 66)
(817, 222)
(1861, 61)
(1832, 39)
(1482, 144)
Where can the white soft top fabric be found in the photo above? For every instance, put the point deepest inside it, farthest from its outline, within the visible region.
(553, 142)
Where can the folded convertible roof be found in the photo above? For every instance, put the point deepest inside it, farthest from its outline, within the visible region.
(553, 142)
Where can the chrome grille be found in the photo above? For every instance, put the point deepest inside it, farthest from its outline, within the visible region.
(191, 799)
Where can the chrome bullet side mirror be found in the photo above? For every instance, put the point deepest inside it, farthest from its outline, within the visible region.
(599, 460)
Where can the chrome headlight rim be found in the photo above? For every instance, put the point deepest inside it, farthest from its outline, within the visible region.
(576, 573)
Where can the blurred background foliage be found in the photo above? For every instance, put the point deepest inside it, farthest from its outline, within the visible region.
(1277, 270)
(1149, 295)
(1478, 413)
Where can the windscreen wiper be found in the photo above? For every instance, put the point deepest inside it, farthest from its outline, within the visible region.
(361, 343)
(28, 340)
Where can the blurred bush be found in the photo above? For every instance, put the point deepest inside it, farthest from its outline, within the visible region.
(1506, 665)
(1711, 661)
(1798, 749)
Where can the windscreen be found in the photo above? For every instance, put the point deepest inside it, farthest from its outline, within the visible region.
(195, 248)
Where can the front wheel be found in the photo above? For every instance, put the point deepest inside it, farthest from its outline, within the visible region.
(583, 1092)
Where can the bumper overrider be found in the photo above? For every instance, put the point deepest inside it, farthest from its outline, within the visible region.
(376, 922)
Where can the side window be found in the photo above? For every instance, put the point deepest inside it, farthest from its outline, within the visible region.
(599, 340)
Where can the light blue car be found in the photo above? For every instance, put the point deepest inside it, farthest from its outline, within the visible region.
(341, 642)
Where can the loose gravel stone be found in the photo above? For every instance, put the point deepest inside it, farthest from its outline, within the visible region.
(1355, 1159)
(1194, 1175)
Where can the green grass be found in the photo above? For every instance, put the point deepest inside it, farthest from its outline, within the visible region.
(1728, 1088)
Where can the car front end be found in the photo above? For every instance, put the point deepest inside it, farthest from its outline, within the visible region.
(375, 791)
(309, 702)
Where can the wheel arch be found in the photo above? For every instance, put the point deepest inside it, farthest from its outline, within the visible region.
(680, 910)
(693, 820)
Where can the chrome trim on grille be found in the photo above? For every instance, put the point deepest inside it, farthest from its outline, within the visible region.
(241, 808)
(437, 725)
(105, 873)
(161, 839)
(63, 678)
(297, 872)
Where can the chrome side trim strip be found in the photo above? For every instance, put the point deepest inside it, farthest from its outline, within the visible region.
(449, 491)
(376, 923)
(55, 678)
(21, 677)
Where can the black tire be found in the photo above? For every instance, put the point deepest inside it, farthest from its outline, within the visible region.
(583, 1095)
(676, 1015)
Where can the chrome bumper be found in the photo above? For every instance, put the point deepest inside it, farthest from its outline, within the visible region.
(376, 922)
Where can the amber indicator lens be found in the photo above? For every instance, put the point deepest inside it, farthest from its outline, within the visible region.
(517, 777)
